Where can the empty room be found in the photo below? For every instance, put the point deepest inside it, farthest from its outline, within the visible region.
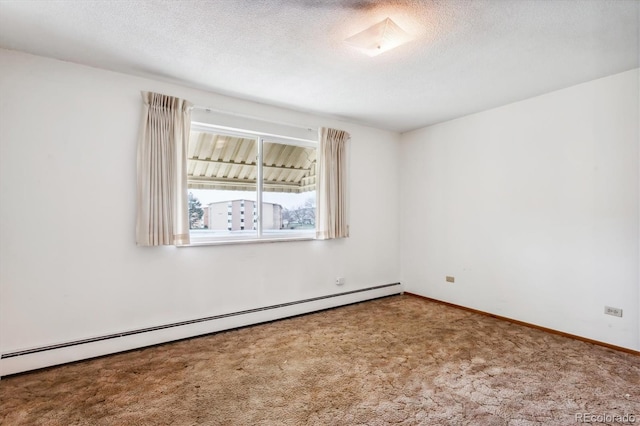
(331, 212)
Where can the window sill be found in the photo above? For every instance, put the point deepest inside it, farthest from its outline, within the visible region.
(221, 242)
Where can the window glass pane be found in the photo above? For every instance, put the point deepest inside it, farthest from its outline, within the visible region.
(222, 174)
(288, 189)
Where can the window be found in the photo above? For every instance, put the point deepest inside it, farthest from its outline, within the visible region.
(249, 186)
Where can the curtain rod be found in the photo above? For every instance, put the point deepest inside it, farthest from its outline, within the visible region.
(253, 117)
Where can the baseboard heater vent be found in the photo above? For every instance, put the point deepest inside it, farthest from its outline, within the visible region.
(182, 323)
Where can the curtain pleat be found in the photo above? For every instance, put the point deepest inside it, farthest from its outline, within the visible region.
(331, 192)
(162, 209)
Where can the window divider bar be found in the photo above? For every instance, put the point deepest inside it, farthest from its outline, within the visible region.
(259, 181)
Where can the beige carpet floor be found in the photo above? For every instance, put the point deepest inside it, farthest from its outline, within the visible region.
(400, 360)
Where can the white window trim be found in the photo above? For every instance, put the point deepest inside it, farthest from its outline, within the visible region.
(221, 242)
(230, 131)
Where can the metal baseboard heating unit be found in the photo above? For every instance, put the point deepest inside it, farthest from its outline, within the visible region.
(39, 357)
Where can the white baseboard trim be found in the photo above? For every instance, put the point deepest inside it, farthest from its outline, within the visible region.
(47, 356)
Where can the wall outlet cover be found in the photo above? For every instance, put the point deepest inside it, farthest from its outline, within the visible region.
(616, 312)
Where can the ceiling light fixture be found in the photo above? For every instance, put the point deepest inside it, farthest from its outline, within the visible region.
(379, 38)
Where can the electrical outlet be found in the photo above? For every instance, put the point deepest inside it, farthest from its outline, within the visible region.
(340, 281)
(450, 279)
(616, 312)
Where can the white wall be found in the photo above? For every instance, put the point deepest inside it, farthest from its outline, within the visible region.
(533, 207)
(69, 266)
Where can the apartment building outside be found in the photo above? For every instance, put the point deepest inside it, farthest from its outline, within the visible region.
(240, 215)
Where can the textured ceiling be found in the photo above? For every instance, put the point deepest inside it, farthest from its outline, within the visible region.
(467, 56)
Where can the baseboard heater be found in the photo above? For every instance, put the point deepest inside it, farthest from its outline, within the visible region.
(195, 321)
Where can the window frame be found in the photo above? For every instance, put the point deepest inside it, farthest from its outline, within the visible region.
(260, 138)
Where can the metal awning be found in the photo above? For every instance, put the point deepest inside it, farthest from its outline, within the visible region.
(229, 163)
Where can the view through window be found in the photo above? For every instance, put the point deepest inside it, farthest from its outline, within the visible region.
(249, 186)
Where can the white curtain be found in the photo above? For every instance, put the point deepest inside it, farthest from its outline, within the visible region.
(332, 219)
(162, 215)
